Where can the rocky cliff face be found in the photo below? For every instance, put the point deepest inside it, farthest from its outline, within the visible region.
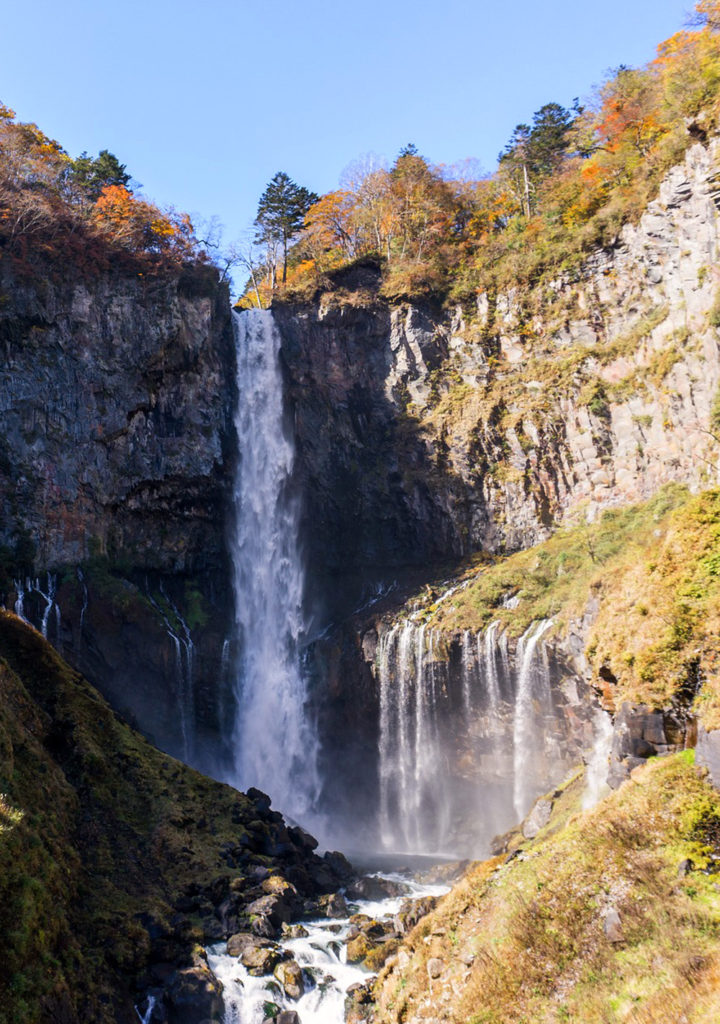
(116, 395)
(116, 398)
(427, 434)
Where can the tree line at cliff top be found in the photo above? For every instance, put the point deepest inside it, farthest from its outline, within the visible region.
(565, 184)
(85, 209)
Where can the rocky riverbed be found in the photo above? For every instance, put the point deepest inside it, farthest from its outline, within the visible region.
(298, 961)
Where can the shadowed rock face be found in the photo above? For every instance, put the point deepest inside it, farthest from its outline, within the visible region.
(116, 396)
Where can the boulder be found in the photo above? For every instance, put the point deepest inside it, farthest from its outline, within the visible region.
(339, 864)
(358, 1002)
(358, 949)
(238, 943)
(261, 800)
(287, 1017)
(260, 960)
(289, 974)
(411, 911)
(371, 888)
(435, 967)
(707, 753)
(612, 926)
(275, 907)
(538, 818)
(193, 995)
(333, 905)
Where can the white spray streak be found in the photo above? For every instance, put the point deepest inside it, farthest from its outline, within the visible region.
(597, 767)
(525, 720)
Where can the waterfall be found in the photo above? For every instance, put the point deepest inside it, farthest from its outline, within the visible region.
(183, 647)
(461, 760)
(596, 771)
(466, 667)
(48, 595)
(414, 809)
(274, 740)
(81, 580)
(533, 690)
(19, 606)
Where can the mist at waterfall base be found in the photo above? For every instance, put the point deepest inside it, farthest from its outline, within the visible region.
(469, 731)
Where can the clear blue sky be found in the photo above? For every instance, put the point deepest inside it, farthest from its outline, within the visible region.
(205, 101)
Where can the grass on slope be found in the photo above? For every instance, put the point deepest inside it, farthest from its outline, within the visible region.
(650, 576)
(523, 942)
(100, 834)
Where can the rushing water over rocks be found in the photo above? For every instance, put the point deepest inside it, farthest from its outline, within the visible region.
(319, 948)
(275, 743)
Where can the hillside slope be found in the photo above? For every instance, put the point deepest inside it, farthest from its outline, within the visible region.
(609, 915)
(116, 862)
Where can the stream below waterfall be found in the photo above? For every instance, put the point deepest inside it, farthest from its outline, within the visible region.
(321, 954)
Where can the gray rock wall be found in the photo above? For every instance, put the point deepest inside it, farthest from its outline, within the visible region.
(423, 434)
(116, 398)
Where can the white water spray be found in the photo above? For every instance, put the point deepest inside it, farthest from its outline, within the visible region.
(596, 771)
(533, 690)
(275, 742)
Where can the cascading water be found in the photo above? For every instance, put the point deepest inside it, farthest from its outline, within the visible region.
(596, 771)
(532, 698)
(413, 762)
(274, 740)
(469, 736)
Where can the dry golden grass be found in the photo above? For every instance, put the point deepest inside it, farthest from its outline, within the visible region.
(535, 924)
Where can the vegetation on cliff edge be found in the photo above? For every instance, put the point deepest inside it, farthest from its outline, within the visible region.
(565, 185)
(648, 578)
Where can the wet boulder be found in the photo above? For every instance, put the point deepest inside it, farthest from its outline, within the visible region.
(294, 931)
(371, 888)
(358, 948)
(238, 943)
(275, 907)
(260, 960)
(289, 974)
(333, 905)
(192, 995)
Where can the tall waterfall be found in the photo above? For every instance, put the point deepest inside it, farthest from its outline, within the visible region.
(469, 736)
(275, 742)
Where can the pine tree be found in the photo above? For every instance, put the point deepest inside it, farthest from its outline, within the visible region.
(280, 216)
(93, 174)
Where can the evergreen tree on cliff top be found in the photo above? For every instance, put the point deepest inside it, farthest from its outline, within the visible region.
(93, 174)
(280, 216)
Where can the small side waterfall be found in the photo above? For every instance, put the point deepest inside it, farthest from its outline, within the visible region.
(413, 763)
(184, 651)
(275, 742)
(31, 587)
(469, 735)
(532, 701)
(596, 771)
